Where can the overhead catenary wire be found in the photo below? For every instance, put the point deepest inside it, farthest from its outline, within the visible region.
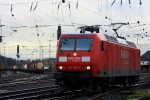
(31, 7)
(113, 2)
(22, 3)
(121, 2)
(69, 7)
(24, 25)
(77, 5)
(93, 11)
(44, 18)
(12, 10)
(140, 2)
(129, 2)
(35, 6)
(42, 1)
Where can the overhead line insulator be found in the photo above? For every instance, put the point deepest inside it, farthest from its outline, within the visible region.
(0, 39)
(63, 1)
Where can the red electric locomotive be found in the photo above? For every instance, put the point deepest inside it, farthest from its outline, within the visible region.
(96, 60)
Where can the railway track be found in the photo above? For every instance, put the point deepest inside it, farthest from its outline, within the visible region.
(53, 96)
(55, 92)
(34, 81)
(28, 92)
(27, 84)
(20, 78)
(98, 94)
(11, 78)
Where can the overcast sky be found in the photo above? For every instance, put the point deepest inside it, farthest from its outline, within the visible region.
(20, 18)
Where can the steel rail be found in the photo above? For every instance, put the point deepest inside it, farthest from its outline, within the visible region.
(117, 90)
(15, 94)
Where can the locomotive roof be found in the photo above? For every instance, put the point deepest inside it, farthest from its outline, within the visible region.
(101, 36)
(120, 41)
(106, 38)
(77, 35)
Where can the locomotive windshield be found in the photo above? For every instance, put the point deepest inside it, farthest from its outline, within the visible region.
(84, 44)
(67, 44)
(76, 44)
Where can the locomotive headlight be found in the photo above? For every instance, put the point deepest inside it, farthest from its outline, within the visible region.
(60, 67)
(74, 54)
(88, 67)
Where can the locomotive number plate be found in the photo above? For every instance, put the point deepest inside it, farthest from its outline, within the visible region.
(74, 58)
